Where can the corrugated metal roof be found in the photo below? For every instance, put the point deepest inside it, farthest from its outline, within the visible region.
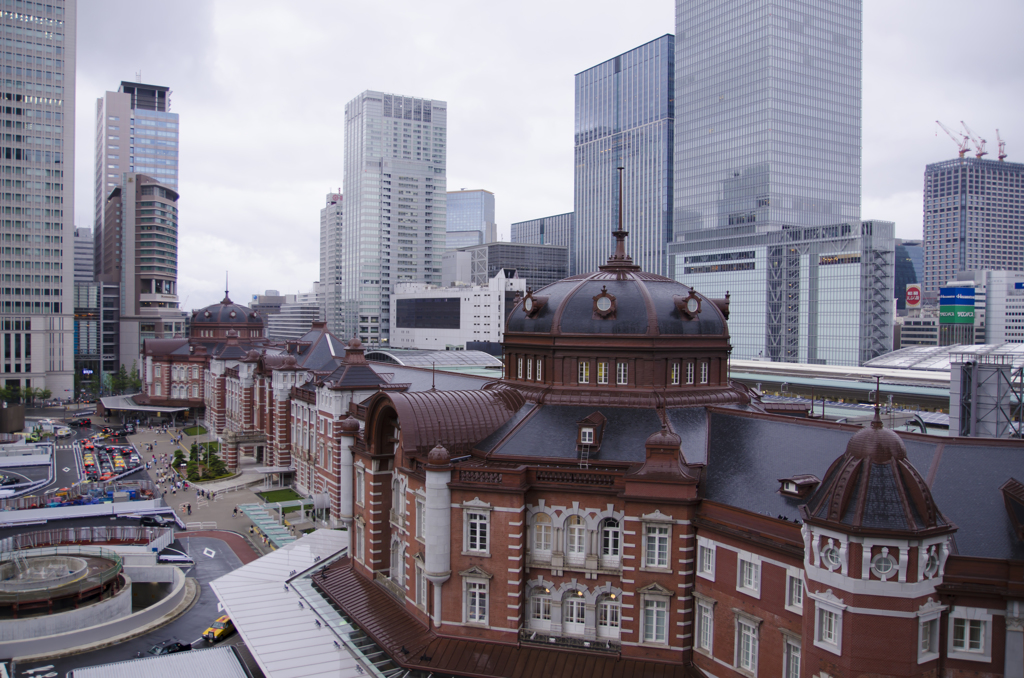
(86, 511)
(221, 662)
(278, 628)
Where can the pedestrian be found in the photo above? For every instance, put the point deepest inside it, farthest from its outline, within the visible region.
(234, 513)
(250, 530)
(189, 508)
(174, 490)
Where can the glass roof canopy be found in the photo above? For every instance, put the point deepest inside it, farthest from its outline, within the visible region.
(436, 359)
(937, 358)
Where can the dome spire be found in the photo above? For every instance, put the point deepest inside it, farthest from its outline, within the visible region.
(227, 298)
(619, 260)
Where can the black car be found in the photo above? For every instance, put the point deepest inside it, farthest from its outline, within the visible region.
(8, 480)
(129, 429)
(156, 521)
(169, 647)
(81, 422)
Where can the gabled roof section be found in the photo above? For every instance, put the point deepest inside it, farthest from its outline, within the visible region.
(1013, 497)
(159, 347)
(318, 349)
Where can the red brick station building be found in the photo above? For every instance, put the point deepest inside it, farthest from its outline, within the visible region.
(615, 505)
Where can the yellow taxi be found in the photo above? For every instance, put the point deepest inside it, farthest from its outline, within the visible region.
(221, 628)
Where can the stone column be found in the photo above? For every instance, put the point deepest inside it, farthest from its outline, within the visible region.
(1013, 664)
(439, 524)
(346, 477)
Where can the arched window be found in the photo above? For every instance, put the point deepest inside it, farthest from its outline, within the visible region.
(398, 497)
(575, 539)
(540, 608)
(542, 535)
(608, 615)
(574, 613)
(611, 543)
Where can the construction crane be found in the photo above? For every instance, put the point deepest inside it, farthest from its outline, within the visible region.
(979, 143)
(958, 138)
(1002, 146)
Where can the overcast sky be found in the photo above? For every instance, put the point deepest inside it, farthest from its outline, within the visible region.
(261, 87)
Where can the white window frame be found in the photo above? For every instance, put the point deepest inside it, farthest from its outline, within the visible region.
(652, 605)
(968, 615)
(602, 371)
(360, 539)
(611, 543)
(791, 649)
(583, 372)
(540, 604)
(421, 584)
(519, 368)
(575, 539)
(795, 590)
(706, 558)
(674, 374)
(747, 629)
(529, 370)
(543, 533)
(832, 644)
(609, 608)
(475, 589)
(622, 373)
(573, 602)
(540, 363)
(928, 630)
(689, 373)
(704, 624)
(421, 518)
(587, 435)
(748, 564)
(649, 534)
(704, 368)
(476, 516)
(360, 486)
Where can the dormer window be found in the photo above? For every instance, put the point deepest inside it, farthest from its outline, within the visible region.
(798, 486)
(604, 305)
(1013, 498)
(587, 435)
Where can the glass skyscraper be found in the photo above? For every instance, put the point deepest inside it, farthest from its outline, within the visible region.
(38, 207)
(470, 219)
(624, 118)
(768, 113)
(973, 219)
(394, 224)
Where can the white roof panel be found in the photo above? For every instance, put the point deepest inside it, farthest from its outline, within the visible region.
(281, 633)
(216, 661)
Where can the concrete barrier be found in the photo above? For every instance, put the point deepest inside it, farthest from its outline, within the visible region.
(54, 645)
(17, 631)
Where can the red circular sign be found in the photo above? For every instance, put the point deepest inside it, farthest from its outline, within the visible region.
(913, 295)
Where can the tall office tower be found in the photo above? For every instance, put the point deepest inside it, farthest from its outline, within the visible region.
(84, 271)
(331, 263)
(38, 202)
(973, 219)
(558, 229)
(470, 219)
(394, 191)
(140, 253)
(624, 118)
(135, 132)
(768, 113)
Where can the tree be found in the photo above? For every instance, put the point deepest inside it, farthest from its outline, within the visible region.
(11, 393)
(45, 394)
(120, 380)
(134, 379)
(30, 394)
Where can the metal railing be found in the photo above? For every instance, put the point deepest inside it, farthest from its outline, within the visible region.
(544, 638)
(157, 537)
(390, 586)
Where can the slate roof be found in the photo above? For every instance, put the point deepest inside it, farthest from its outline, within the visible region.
(644, 305)
(324, 351)
(749, 453)
(550, 431)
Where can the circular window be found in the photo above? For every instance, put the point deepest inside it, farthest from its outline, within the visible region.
(830, 557)
(883, 565)
(528, 304)
(207, 314)
(931, 566)
(604, 304)
(232, 314)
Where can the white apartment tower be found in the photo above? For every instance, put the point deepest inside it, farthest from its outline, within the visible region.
(331, 219)
(37, 207)
(394, 188)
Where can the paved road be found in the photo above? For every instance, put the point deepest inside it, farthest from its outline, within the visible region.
(213, 558)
